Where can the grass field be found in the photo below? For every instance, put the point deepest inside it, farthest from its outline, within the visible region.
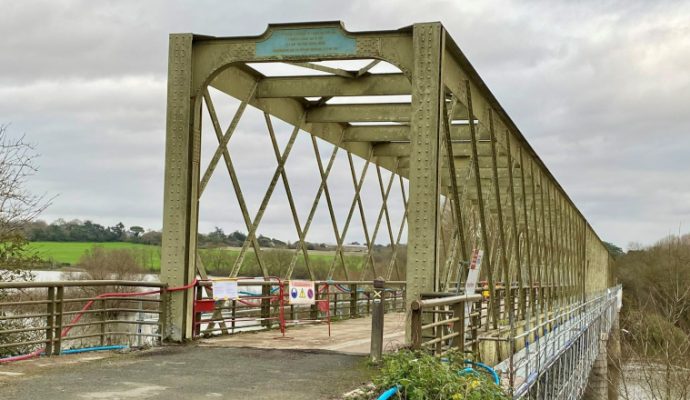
(71, 252)
(218, 260)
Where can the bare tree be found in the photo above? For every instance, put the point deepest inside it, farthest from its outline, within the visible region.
(657, 359)
(656, 320)
(18, 207)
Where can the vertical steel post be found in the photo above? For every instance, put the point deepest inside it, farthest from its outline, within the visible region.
(458, 342)
(50, 320)
(102, 315)
(354, 310)
(163, 316)
(425, 135)
(180, 200)
(265, 306)
(57, 347)
(416, 328)
(234, 315)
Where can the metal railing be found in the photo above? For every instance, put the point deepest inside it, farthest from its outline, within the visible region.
(259, 305)
(48, 317)
(443, 323)
(523, 302)
(442, 315)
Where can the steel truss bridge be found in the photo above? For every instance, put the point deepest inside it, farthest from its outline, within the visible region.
(403, 118)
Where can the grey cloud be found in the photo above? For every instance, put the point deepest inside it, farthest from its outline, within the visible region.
(599, 88)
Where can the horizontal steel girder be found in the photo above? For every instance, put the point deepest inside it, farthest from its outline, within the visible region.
(371, 112)
(403, 149)
(394, 133)
(333, 86)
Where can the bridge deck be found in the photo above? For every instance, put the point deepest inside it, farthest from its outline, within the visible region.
(188, 372)
(349, 337)
(250, 365)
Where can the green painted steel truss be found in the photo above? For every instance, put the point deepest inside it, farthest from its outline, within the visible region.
(467, 176)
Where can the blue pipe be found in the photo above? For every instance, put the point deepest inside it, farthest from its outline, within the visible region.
(389, 393)
(98, 348)
(497, 379)
(84, 350)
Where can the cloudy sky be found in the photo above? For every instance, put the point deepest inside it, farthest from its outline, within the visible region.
(601, 90)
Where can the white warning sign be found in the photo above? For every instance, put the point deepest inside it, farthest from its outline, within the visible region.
(472, 280)
(473, 273)
(225, 289)
(302, 292)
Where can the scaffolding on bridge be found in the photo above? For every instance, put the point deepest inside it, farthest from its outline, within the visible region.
(556, 356)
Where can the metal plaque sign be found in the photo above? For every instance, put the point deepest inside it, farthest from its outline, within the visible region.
(302, 292)
(306, 42)
(225, 289)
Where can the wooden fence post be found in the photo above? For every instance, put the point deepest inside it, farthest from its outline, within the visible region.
(377, 321)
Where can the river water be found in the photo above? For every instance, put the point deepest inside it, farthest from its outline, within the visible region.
(48, 276)
(647, 381)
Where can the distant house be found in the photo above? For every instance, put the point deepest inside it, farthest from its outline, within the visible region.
(355, 248)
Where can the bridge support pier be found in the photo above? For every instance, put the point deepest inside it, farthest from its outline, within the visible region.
(605, 374)
(614, 360)
(598, 386)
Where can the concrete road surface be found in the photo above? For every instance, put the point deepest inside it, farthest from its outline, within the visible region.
(187, 372)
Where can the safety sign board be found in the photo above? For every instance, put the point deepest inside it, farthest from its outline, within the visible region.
(225, 289)
(472, 280)
(302, 292)
(473, 274)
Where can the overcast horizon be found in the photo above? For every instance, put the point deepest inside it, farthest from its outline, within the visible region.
(601, 90)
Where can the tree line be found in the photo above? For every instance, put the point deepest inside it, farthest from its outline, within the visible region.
(88, 231)
(218, 238)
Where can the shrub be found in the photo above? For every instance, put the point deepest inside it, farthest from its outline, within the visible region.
(7, 295)
(100, 264)
(422, 376)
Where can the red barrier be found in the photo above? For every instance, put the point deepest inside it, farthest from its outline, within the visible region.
(322, 305)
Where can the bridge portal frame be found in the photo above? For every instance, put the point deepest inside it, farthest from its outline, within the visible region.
(453, 141)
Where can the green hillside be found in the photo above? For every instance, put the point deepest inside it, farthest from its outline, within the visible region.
(70, 252)
(216, 260)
